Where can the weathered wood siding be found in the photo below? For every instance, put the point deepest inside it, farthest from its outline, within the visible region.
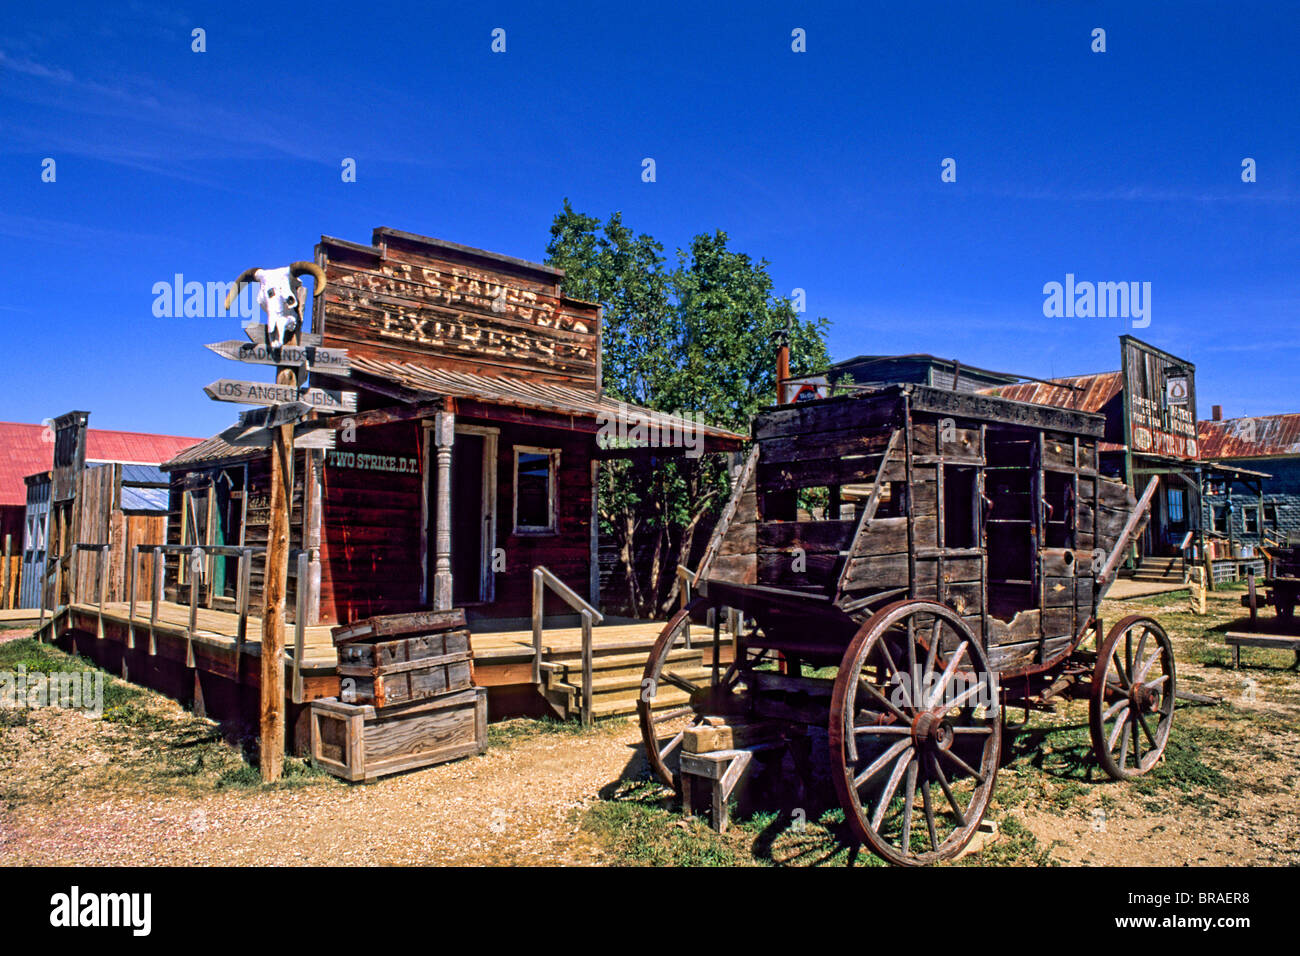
(371, 524)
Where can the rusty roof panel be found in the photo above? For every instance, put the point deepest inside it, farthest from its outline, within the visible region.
(1266, 436)
(1087, 393)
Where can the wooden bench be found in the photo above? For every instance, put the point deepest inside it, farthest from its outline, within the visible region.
(1237, 640)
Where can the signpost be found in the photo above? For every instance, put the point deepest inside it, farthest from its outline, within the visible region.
(328, 361)
(279, 425)
(282, 392)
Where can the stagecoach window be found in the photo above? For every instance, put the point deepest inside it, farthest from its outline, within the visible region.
(535, 489)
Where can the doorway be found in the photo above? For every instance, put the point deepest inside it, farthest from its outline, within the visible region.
(473, 515)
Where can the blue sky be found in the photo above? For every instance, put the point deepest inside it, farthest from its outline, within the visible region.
(1115, 166)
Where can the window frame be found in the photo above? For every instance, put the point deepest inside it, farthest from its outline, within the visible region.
(552, 492)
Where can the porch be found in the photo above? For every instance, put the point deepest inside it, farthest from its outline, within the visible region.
(210, 659)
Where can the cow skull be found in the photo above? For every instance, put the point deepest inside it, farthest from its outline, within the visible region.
(281, 295)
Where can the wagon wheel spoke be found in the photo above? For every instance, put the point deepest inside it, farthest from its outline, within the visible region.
(1123, 747)
(681, 683)
(928, 807)
(1120, 724)
(672, 745)
(932, 652)
(909, 803)
(672, 715)
(886, 729)
(901, 765)
(946, 787)
(948, 673)
(962, 765)
(882, 761)
(1146, 728)
(960, 699)
(883, 700)
(1114, 709)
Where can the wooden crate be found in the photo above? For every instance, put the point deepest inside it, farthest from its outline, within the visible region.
(361, 742)
(385, 673)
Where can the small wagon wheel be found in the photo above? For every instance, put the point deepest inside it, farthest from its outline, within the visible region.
(710, 692)
(915, 707)
(1131, 707)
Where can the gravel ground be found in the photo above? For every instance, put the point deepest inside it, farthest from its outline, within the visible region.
(516, 805)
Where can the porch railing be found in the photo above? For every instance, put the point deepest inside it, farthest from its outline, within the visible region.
(543, 579)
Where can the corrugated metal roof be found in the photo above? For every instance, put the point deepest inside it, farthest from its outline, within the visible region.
(212, 450)
(27, 449)
(1087, 393)
(143, 475)
(1265, 436)
(520, 393)
(143, 499)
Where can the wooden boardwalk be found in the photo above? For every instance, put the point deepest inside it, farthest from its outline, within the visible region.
(218, 630)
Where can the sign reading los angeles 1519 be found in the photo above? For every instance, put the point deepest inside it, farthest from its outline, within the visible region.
(328, 361)
(260, 393)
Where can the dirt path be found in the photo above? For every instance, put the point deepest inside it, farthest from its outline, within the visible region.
(517, 805)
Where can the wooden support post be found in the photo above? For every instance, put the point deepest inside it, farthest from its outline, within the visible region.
(539, 598)
(196, 566)
(300, 623)
(586, 667)
(131, 592)
(101, 566)
(159, 570)
(273, 589)
(241, 608)
(5, 594)
(444, 433)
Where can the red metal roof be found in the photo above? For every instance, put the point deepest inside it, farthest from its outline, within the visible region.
(1087, 393)
(1265, 436)
(27, 449)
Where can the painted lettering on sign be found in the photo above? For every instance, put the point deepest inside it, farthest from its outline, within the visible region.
(366, 461)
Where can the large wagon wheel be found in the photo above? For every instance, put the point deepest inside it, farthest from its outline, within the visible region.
(1131, 707)
(938, 731)
(711, 692)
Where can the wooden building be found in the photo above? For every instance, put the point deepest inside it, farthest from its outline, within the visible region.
(27, 453)
(470, 460)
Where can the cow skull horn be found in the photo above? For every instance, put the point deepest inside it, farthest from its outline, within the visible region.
(297, 269)
(246, 276)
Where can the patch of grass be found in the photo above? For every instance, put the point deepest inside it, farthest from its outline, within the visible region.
(637, 829)
(1015, 845)
(522, 728)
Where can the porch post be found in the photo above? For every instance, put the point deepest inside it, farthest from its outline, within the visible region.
(444, 433)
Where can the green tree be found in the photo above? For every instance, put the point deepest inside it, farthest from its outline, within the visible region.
(698, 337)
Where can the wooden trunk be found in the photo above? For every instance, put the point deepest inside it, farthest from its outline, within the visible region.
(407, 669)
(362, 742)
(400, 658)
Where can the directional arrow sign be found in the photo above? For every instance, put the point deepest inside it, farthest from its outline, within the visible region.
(261, 393)
(330, 361)
(274, 416)
(305, 435)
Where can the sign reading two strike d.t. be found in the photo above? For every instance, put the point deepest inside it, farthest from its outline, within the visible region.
(261, 393)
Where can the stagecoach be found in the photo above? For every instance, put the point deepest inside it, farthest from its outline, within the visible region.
(905, 563)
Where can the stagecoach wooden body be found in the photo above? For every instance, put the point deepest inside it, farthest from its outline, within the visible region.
(940, 553)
